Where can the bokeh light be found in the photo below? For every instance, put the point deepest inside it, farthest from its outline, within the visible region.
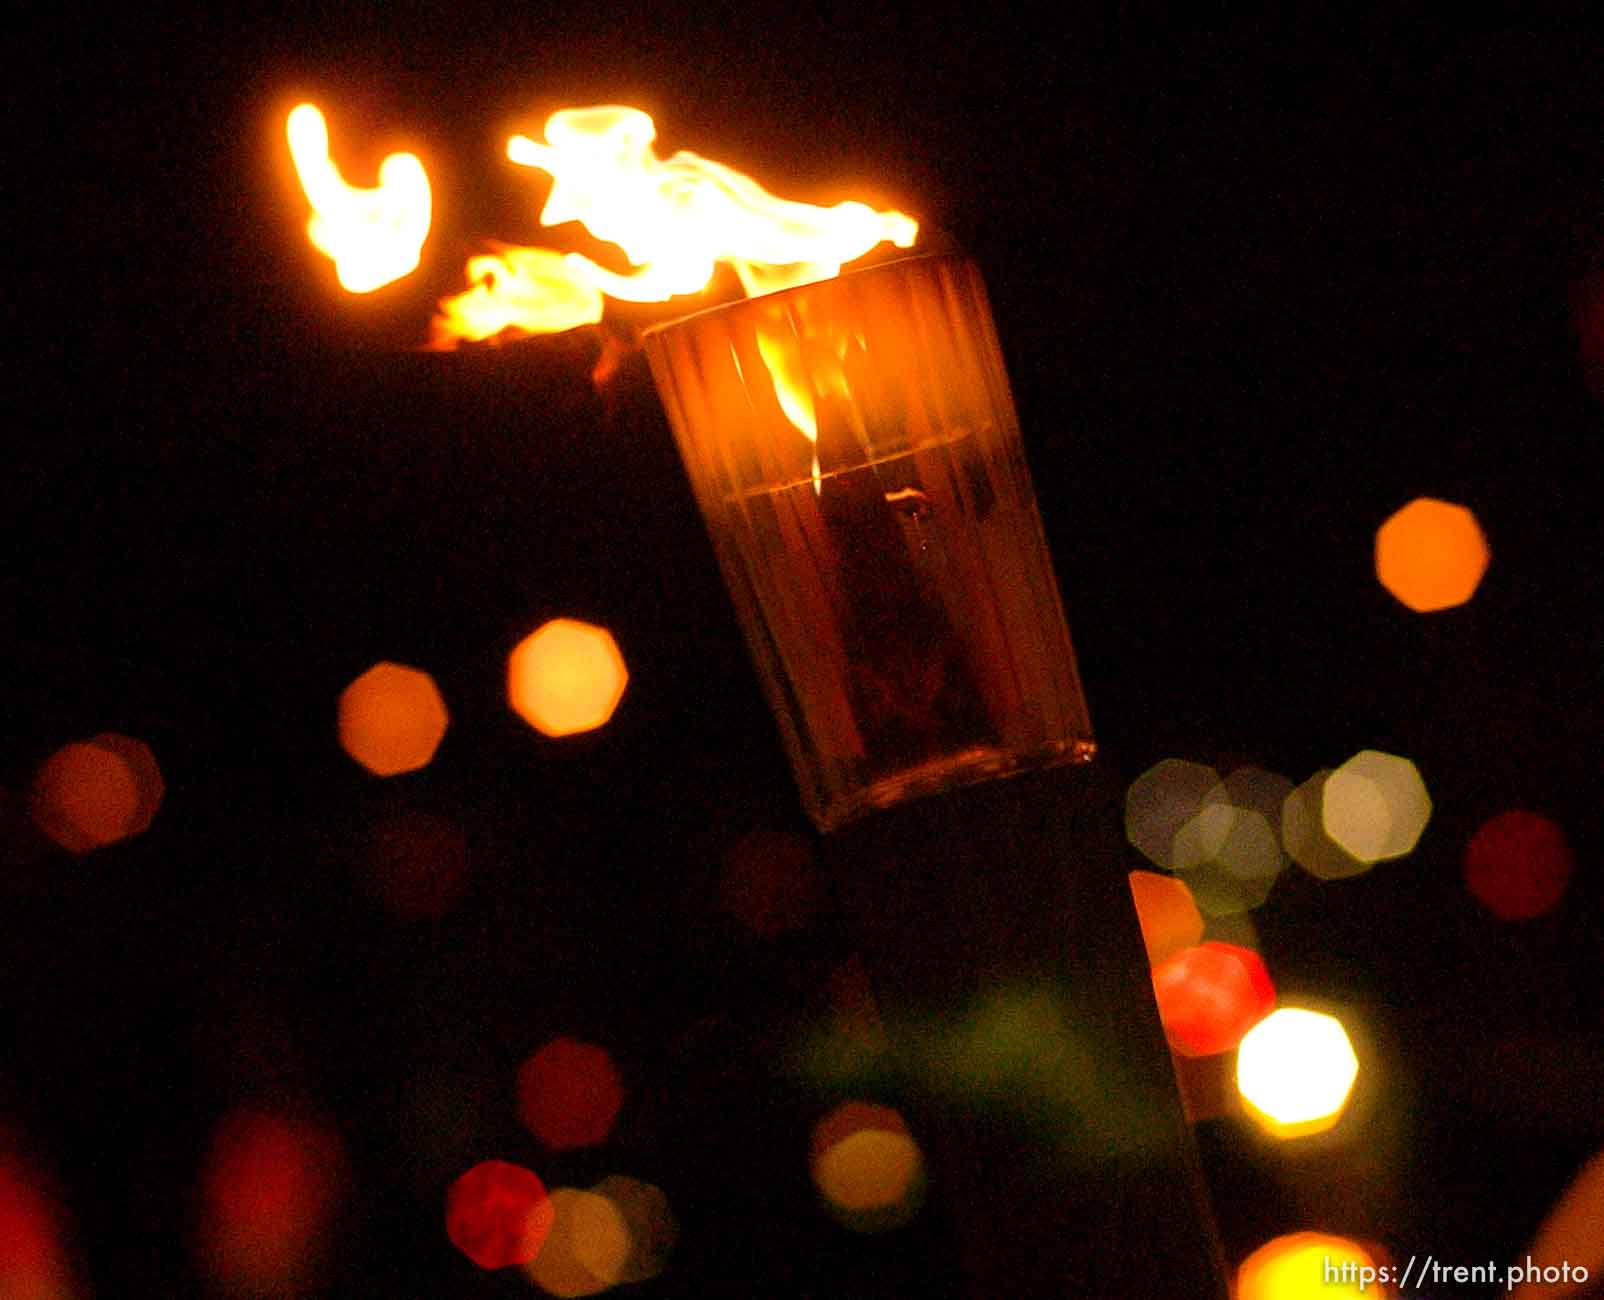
(1431, 555)
(1296, 1071)
(498, 1214)
(1230, 857)
(1303, 833)
(867, 1167)
(392, 719)
(1163, 800)
(417, 863)
(96, 792)
(569, 1094)
(1310, 1266)
(566, 677)
(34, 1261)
(650, 1221)
(1209, 996)
(1168, 915)
(1518, 865)
(588, 1247)
(269, 1188)
(769, 883)
(1375, 806)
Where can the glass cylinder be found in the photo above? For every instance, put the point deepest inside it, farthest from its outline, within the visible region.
(853, 446)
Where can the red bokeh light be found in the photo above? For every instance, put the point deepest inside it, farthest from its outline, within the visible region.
(268, 1189)
(498, 1214)
(1518, 865)
(569, 1094)
(1210, 995)
(33, 1260)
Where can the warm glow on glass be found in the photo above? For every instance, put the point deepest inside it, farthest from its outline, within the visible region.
(1169, 918)
(374, 235)
(1210, 996)
(1375, 806)
(588, 1248)
(674, 220)
(96, 792)
(569, 1094)
(867, 1167)
(856, 457)
(567, 677)
(498, 1214)
(392, 719)
(1296, 1070)
(649, 1220)
(1164, 799)
(1518, 865)
(1431, 555)
(1310, 1266)
(269, 1188)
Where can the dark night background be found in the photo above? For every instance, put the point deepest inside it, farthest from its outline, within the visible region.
(1257, 289)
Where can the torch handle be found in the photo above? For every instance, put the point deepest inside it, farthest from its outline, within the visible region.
(997, 928)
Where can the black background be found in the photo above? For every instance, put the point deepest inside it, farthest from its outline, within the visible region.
(1257, 287)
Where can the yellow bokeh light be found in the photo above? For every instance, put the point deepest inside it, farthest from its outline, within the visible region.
(1162, 801)
(1295, 1070)
(867, 1167)
(1303, 833)
(567, 677)
(1310, 1266)
(392, 719)
(1431, 555)
(587, 1249)
(1375, 806)
(96, 792)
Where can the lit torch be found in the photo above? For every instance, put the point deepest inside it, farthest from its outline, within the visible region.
(854, 450)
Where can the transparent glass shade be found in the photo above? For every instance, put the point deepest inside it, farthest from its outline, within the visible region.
(854, 449)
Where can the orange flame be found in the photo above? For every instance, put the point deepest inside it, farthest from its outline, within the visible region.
(373, 236)
(674, 219)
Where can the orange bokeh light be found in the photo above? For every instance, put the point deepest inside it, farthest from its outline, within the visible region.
(1518, 865)
(498, 1214)
(1210, 996)
(569, 1094)
(1168, 915)
(96, 792)
(268, 1190)
(1310, 1266)
(1431, 555)
(392, 719)
(566, 677)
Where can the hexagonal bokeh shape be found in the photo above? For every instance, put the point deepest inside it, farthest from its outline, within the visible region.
(1375, 806)
(1295, 1070)
(1431, 555)
(566, 677)
(1163, 800)
(1303, 833)
(392, 719)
